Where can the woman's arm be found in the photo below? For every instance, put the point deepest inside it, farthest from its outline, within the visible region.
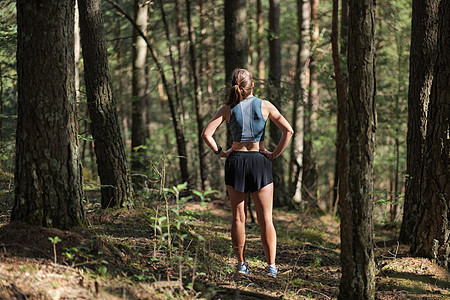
(283, 125)
(221, 115)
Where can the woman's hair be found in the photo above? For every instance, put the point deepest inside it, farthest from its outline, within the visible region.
(241, 86)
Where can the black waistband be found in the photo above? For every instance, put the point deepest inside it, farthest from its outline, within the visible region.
(244, 153)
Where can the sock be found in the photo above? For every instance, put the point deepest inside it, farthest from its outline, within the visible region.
(272, 266)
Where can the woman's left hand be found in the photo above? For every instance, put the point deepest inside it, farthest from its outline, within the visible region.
(266, 153)
(226, 153)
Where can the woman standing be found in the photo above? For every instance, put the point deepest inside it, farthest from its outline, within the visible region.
(248, 167)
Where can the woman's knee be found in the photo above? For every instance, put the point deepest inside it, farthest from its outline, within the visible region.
(239, 217)
(265, 221)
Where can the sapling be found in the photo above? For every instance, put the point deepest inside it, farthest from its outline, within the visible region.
(54, 241)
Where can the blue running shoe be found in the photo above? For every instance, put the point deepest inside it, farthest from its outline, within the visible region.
(242, 268)
(271, 271)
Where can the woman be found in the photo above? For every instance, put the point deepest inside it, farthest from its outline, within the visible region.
(248, 167)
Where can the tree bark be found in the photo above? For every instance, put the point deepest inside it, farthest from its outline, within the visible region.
(431, 235)
(48, 175)
(139, 132)
(422, 59)
(112, 165)
(357, 257)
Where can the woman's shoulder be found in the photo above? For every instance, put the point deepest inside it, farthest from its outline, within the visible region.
(224, 110)
(267, 104)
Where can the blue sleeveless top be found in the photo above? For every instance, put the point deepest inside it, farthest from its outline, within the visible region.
(247, 123)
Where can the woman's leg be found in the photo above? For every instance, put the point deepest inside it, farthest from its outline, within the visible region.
(263, 200)
(239, 209)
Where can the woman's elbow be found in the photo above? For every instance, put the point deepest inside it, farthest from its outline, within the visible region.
(289, 132)
(204, 136)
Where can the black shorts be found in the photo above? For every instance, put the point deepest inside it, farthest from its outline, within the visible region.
(248, 171)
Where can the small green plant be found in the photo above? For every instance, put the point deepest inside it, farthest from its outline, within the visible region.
(317, 261)
(54, 241)
(102, 270)
(203, 196)
(81, 256)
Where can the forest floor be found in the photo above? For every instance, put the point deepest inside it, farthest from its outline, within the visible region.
(133, 254)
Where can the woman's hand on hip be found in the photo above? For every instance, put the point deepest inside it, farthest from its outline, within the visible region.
(226, 153)
(266, 153)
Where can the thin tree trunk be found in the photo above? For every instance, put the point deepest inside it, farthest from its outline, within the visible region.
(179, 131)
(344, 29)
(341, 56)
(342, 146)
(197, 104)
(274, 89)
(357, 257)
(300, 95)
(431, 235)
(310, 176)
(259, 41)
(180, 109)
(180, 49)
(109, 148)
(77, 51)
(139, 130)
(48, 174)
(422, 59)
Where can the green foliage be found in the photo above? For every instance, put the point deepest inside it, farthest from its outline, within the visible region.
(84, 257)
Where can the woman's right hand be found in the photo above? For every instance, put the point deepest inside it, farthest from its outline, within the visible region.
(226, 153)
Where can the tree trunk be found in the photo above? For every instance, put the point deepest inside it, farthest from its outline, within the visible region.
(236, 41)
(431, 236)
(422, 60)
(344, 29)
(342, 146)
(357, 258)
(310, 176)
(259, 41)
(180, 47)
(300, 95)
(274, 92)
(139, 132)
(341, 84)
(236, 38)
(197, 104)
(109, 149)
(48, 176)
